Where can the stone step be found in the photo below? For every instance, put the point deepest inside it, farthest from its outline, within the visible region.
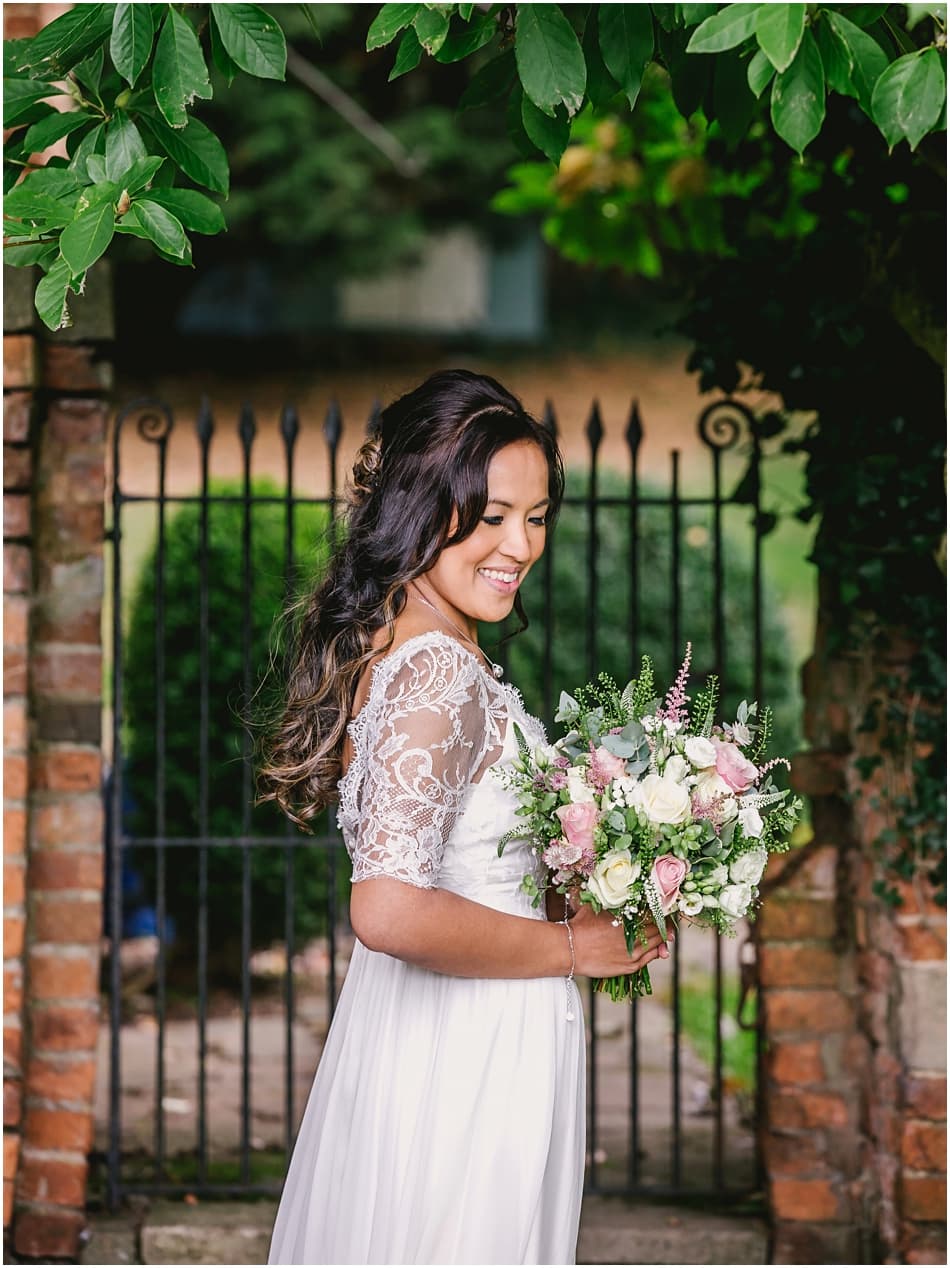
(613, 1231)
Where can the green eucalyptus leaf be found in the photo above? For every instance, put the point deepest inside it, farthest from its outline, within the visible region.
(53, 128)
(728, 28)
(431, 27)
(51, 293)
(84, 240)
(391, 19)
(626, 42)
(759, 73)
(252, 39)
(124, 146)
(489, 82)
(550, 60)
(408, 55)
(779, 29)
(195, 211)
(179, 73)
(798, 97)
(195, 149)
(549, 135)
(133, 33)
(909, 97)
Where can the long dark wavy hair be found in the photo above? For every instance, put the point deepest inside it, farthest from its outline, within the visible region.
(428, 459)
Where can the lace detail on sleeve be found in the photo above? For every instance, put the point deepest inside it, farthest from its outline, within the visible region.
(432, 725)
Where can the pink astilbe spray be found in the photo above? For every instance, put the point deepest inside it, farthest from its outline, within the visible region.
(674, 706)
(776, 761)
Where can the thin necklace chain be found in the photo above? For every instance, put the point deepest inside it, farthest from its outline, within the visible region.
(496, 670)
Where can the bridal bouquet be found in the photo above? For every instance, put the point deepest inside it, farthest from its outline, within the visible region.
(651, 810)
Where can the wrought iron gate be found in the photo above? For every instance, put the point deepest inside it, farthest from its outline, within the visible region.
(606, 523)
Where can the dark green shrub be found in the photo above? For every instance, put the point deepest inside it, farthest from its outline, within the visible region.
(229, 813)
(614, 648)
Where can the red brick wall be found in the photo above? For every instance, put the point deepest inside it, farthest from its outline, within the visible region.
(55, 421)
(854, 996)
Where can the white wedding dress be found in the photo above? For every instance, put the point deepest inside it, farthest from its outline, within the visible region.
(445, 1124)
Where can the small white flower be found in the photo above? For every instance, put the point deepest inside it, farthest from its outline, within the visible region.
(734, 900)
(740, 733)
(746, 869)
(622, 790)
(650, 723)
(577, 787)
(700, 751)
(751, 820)
(690, 904)
(676, 768)
(718, 877)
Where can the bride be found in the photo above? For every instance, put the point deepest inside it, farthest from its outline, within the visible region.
(445, 1124)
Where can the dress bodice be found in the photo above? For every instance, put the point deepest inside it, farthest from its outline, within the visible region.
(421, 800)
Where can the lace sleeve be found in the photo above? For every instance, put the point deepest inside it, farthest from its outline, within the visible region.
(431, 729)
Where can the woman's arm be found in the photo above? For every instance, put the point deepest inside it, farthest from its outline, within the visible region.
(438, 930)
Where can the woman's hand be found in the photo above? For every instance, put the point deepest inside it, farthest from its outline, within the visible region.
(600, 949)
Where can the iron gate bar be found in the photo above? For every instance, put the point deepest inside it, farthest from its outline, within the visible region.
(717, 431)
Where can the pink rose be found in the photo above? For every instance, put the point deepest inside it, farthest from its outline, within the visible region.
(734, 768)
(578, 821)
(669, 873)
(606, 766)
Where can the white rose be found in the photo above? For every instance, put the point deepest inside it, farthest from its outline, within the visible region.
(701, 752)
(577, 786)
(676, 768)
(662, 800)
(747, 868)
(711, 784)
(611, 879)
(751, 820)
(734, 900)
(690, 904)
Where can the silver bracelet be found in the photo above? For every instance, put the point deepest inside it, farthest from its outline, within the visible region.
(570, 977)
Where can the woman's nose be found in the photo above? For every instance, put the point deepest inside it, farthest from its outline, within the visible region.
(517, 544)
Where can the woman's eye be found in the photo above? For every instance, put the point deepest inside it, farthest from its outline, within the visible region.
(494, 520)
(539, 521)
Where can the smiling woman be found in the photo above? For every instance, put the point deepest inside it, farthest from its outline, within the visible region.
(417, 1145)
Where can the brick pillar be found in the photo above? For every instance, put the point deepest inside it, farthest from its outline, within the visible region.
(60, 778)
(854, 994)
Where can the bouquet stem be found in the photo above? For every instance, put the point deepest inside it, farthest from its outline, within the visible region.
(625, 986)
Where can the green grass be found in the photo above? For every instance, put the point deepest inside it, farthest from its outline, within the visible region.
(698, 1020)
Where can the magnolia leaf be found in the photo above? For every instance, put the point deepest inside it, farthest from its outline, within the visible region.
(37, 207)
(626, 42)
(550, 61)
(53, 128)
(868, 59)
(160, 226)
(431, 27)
(391, 19)
(759, 73)
(798, 97)
(836, 58)
(408, 55)
(96, 169)
(490, 82)
(195, 149)
(460, 44)
(549, 135)
(778, 30)
(195, 211)
(124, 146)
(133, 33)
(85, 240)
(30, 254)
(61, 45)
(50, 297)
(20, 96)
(725, 29)
(141, 173)
(94, 142)
(909, 96)
(179, 73)
(252, 39)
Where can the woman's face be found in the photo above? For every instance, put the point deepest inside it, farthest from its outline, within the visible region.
(478, 578)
